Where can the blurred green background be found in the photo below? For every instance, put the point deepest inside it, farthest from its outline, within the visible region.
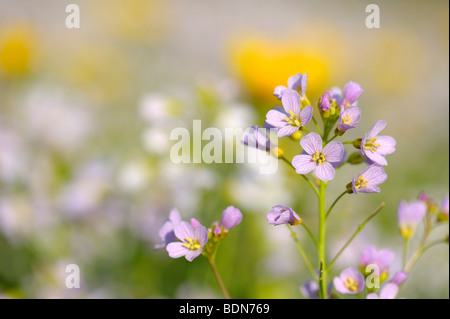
(85, 118)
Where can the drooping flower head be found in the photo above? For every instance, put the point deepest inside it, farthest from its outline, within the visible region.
(167, 231)
(368, 180)
(409, 216)
(292, 118)
(192, 241)
(350, 281)
(349, 118)
(377, 147)
(381, 258)
(389, 291)
(231, 217)
(399, 277)
(296, 82)
(352, 91)
(281, 214)
(256, 137)
(310, 289)
(317, 157)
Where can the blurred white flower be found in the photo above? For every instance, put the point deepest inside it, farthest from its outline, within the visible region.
(11, 157)
(133, 176)
(55, 119)
(156, 140)
(86, 191)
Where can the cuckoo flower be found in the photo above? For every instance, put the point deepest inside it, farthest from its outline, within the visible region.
(377, 147)
(389, 291)
(192, 241)
(352, 91)
(330, 99)
(368, 180)
(349, 118)
(166, 233)
(292, 118)
(317, 158)
(409, 216)
(296, 82)
(350, 281)
(381, 258)
(281, 214)
(231, 217)
(256, 137)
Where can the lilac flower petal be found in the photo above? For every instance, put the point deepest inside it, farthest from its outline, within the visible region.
(231, 217)
(291, 101)
(333, 151)
(412, 213)
(352, 115)
(303, 164)
(175, 216)
(372, 296)
(184, 230)
(376, 157)
(192, 254)
(370, 189)
(276, 118)
(176, 249)
(278, 92)
(166, 233)
(310, 289)
(311, 143)
(306, 115)
(352, 91)
(389, 291)
(325, 172)
(368, 254)
(340, 286)
(399, 277)
(387, 145)
(376, 128)
(384, 258)
(201, 234)
(287, 130)
(374, 174)
(298, 80)
(195, 223)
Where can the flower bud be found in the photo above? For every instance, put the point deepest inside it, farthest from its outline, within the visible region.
(357, 143)
(355, 158)
(231, 217)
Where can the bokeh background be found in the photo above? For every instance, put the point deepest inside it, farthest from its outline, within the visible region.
(85, 118)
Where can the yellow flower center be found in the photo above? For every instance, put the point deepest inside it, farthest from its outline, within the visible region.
(351, 284)
(192, 244)
(371, 144)
(319, 158)
(406, 231)
(346, 119)
(361, 182)
(293, 120)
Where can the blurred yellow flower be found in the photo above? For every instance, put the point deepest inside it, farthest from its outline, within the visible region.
(262, 64)
(17, 50)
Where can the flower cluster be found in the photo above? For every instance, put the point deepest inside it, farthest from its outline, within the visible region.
(190, 239)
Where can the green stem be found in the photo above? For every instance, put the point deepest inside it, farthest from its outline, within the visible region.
(334, 203)
(348, 142)
(405, 252)
(302, 252)
(311, 235)
(419, 251)
(212, 263)
(314, 188)
(317, 126)
(335, 135)
(322, 243)
(360, 227)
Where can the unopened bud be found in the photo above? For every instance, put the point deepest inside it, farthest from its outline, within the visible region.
(349, 188)
(355, 158)
(297, 136)
(277, 152)
(357, 143)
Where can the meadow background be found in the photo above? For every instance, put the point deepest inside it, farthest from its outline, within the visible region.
(85, 116)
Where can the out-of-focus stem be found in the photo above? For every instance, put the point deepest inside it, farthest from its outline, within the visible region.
(302, 253)
(212, 263)
(322, 243)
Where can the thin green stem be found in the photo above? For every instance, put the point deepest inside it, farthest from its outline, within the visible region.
(322, 243)
(311, 235)
(212, 263)
(335, 202)
(302, 253)
(405, 251)
(335, 135)
(348, 142)
(360, 227)
(317, 126)
(314, 188)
